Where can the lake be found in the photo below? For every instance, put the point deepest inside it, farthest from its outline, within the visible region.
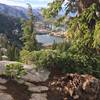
(47, 39)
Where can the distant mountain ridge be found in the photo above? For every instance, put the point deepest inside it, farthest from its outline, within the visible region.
(19, 12)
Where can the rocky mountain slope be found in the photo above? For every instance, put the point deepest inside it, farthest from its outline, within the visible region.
(10, 28)
(19, 12)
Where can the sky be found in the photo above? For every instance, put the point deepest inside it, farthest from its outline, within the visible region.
(23, 3)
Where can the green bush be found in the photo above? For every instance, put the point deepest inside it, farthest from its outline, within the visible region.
(71, 61)
(97, 68)
(25, 56)
(62, 47)
(15, 70)
(45, 58)
(82, 58)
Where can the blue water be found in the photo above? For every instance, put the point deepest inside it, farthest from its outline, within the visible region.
(48, 39)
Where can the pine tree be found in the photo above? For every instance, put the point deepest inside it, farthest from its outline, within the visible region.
(29, 34)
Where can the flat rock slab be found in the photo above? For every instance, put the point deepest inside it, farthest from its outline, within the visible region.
(38, 89)
(2, 81)
(32, 75)
(37, 76)
(5, 96)
(2, 87)
(36, 96)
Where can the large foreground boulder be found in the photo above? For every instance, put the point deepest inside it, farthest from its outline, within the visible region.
(74, 87)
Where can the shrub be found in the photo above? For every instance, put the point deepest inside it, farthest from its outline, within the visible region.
(82, 59)
(25, 56)
(80, 63)
(15, 70)
(62, 47)
(46, 58)
(67, 62)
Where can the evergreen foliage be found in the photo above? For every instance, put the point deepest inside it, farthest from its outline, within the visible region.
(85, 27)
(29, 35)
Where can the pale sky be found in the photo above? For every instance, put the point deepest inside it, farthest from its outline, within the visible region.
(34, 3)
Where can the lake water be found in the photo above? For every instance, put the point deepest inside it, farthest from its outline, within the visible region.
(47, 39)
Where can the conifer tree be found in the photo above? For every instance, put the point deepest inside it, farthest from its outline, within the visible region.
(29, 34)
